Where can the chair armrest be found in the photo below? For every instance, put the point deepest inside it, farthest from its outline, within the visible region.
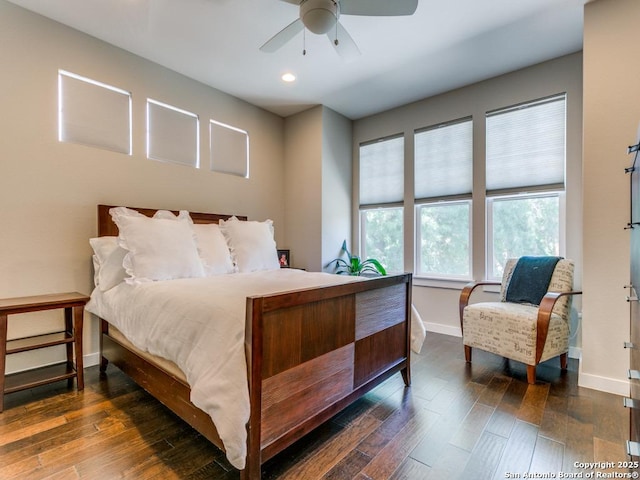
(466, 292)
(544, 317)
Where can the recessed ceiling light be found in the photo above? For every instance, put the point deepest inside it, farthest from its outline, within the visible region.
(288, 77)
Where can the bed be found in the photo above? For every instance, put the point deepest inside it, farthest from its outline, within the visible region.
(309, 352)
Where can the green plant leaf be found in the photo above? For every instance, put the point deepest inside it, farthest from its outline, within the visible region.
(378, 266)
(354, 264)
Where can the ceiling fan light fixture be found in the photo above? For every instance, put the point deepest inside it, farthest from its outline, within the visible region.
(288, 77)
(319, 16)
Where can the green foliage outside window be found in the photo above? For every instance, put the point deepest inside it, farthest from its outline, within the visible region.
(524, 226)
(384, 237)
(444, 240)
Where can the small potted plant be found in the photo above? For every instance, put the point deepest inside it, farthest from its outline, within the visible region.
(353, 265)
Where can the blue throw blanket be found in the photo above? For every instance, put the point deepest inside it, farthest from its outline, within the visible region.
(530, 279)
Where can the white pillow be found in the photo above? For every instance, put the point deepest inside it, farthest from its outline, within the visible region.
(107, 262)
(159, 248)
(214, 251)
(251, 243)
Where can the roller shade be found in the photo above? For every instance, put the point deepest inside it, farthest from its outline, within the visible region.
(526, 145)
(444, 160)
(382, 171)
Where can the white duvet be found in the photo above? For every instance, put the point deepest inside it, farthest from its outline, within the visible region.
(198, 323)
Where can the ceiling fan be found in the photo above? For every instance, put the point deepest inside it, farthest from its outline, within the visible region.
(322, 17)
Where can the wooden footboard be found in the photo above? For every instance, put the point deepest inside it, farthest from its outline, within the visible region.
(310, 353)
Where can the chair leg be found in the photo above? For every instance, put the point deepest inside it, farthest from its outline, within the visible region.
(563, 360)
(531, 374)
(467, 353)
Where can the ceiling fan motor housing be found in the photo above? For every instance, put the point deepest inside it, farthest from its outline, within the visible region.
(319, 16)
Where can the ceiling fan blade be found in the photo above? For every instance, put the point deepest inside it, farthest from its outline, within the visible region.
(295, 2)
(344, 44)
(283, 36)
(386, 8)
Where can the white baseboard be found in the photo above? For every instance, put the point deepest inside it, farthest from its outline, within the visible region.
(88, 360)
(604, 384)
(575, 352)
(91, 359)
(595, 382)
(444, 329)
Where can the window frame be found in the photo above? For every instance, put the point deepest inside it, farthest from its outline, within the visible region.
(213, 151)
(362, 244)
(391, 199)
(87, 137)
(454, 193)
(490, 200)
(152, 104)
(418, 236)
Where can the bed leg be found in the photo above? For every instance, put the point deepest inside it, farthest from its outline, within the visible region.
(406, 376)
(103, 364)
(250, 474)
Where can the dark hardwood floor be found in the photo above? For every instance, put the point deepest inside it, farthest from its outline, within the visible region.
(456, 422)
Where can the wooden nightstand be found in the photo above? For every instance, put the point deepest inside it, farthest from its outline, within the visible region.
(73, 304)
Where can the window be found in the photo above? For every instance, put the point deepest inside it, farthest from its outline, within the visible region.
(525, 165)
(173, 134)
(229, 149)
(382, 233)
(381, 198)
(444, 235)
(93, 113)
(443, 182)
(523, 225)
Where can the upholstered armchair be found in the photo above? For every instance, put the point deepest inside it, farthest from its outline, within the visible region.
(523, 331)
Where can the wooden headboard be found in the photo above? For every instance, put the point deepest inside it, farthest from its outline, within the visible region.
(106, 227)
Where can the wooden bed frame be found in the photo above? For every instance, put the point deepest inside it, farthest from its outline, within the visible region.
(310, 353)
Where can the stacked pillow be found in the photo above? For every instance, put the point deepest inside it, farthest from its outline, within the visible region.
(251, 243)
(168, 247)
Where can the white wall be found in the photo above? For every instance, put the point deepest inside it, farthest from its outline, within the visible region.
(49, 190)
(611, 119)
(439, 305)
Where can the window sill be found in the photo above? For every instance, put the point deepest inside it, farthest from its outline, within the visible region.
(453, 284)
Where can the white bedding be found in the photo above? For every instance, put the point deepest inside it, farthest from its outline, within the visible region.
(181, 320)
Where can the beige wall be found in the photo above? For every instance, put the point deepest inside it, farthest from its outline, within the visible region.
(318, 186)
(303, 188)
(438, 301)
(611, 118)
(49, 190)
(336, 183)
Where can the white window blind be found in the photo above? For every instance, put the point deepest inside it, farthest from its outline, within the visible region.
(382, 171)
(229, 149)
(526, 145)
(444, 160)
(93, 113)
(172, 134)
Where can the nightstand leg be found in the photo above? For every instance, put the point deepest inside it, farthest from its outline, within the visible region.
(78, 318)
(3, 343)
(68, 326)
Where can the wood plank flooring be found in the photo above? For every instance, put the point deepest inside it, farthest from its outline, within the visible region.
(457, 421)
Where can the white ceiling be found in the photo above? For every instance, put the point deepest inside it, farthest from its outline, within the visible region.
(446, 44)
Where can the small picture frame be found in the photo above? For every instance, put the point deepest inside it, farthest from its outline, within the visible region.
(283, 258)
